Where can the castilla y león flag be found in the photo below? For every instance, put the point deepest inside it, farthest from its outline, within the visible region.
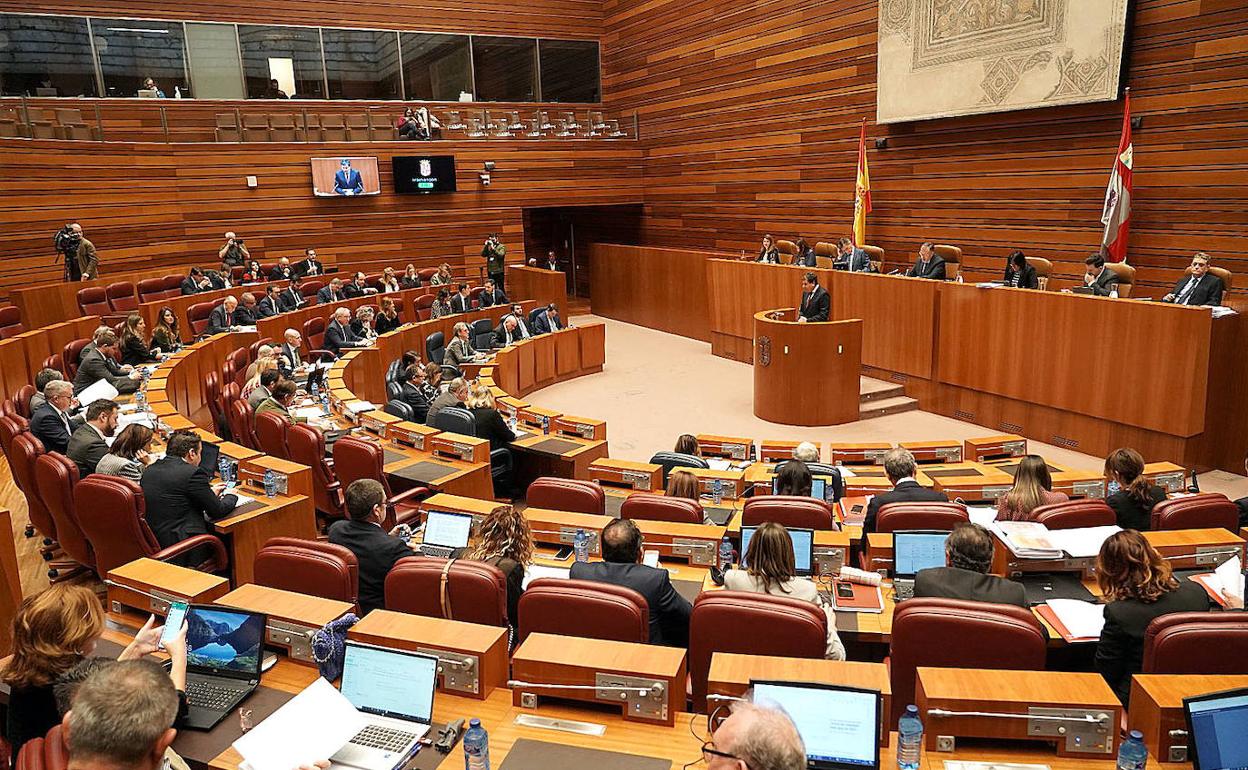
(1116, 215)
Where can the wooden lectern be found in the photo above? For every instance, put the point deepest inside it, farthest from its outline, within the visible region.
(806, 373)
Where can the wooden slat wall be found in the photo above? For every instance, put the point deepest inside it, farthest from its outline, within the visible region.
(750, 114)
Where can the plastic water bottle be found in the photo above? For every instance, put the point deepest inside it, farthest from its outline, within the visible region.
(545, 424)
(717, 491)
(140, 400)
(476, 747)
(909, 739)
(512, 422)
(580, 544)
(1113, 293)
(314, 390)
(223, 469)
(270, 483)
(325, 402)
(1132, 754)
(725, 553)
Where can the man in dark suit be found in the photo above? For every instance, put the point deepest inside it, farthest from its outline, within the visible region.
(506, 332)
(968, 556)
(270, 304)
(455, 394)
(51, 423)
(816, 304)
(492, 295)
(358, 287)
(460, 303)
(330, 294)
(222, 316)
(338, 334)
(180, 500)
(248, 311)
(522, 326)
(412, 392)
(1200, 287)
(309, 265)
(1098, 279)
(347, 181)
(195, 282)
(88, 443)
(374, 549)
(100, 364)
(220, 279)
(289, 355)
(282, 271)
(548, 321)
(929, 264)
(852, 258)
(621, 565)
(900, 468)
(291, 298)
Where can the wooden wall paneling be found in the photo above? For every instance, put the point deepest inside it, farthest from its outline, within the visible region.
(654, 287)
(899, 319)
(540, 285)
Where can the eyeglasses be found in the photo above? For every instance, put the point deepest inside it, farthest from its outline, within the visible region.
(709, 751)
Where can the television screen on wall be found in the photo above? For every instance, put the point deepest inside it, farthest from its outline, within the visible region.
(345, 177)
(422, 174)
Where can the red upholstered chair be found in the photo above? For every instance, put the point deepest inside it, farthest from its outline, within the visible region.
(212, 394)
(920, 515)
(238, 413)
(239, 360)
(197, 316)
(10, 427)
(93, 300)
(10, 322)
(475, 592)
(934, 632)
(1197, 643)
(801, 512)
(356, 458)
(1073, 514)
(314, 333)
(69, 357)
(151, 289)
(426, 275)
(474, 294)
(422, 306)
(121, 297)
(50, 752)
(751, 624)
(310, 567)
(661, 508)
(308, 290)
(567, 495)
(307, 447)
(21, 400)
(172, 286)
(583, 608)
(8, 408)
(270, 429)
(24, 451)
(1203, 511)
(229, 376)
(118, 531)
(55, 477)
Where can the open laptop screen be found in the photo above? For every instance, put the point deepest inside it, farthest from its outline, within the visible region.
(448, 529)
(913, 551)
(803, 547)
(1216, 724)
(224, 641)
(388, 682)
(839, 725)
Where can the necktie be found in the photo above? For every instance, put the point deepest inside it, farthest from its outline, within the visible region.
(1187, 291)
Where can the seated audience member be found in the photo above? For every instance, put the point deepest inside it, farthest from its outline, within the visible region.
(361, 533)
(852, 258)
(1097, 278)
(271, 303)
(180, 500)
(768, 252)
(806, 452)
(263, 390)
(492, 295)
(195, 282)
(506, 332)
(1130, 493)
(443, 276)
(621, 565)
(682, 483)
(413, 392)
(123, 716)
(548, 321)
(816, 304)
(460, 350)
(522, 325)
(900, 467)
(794, 478)
(929, 264)
(773, 570)
(461, 302)
(1033, 487)
(805, 254)
(219, 279)
(222, 316)
(358, 287)
(1019, 274)
(290, 354)
(1199, 288)
(363, 323)
(338, 334)
(455, 395)
(490, 424)
(407, 125)
(291, 297)
(503, 538)
(41, 381)
(130, 453)
(282, 271)
(100, 364)
(687, 444)
(755, 737)
(136, 350)
(248, 310)
(1139, 585)
(968, 557)
(410, 279)
(167, 337)
(331, 293)
(283, 395)
(266, 358)
(434, 385)
(440, 307)
(309, 265)
(254, 273)
(389, 283)
(428, 124)
(89, 442)
(388, 319)
(52, 423)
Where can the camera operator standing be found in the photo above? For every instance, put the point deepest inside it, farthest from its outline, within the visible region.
(234, 251)
(495, 254)
(81, 260)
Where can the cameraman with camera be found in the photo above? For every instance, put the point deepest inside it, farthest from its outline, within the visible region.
(234, 251)
(81, 261)
(495, 253)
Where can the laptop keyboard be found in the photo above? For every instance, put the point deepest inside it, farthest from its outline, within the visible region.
(383, 738)
(438, 551)
(208, 695)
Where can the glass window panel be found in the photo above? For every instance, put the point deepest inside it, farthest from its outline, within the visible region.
(362, 63)
(436, 67)
(505, 68)
(216, 72)
(45, 56)
(289, 55)
(130, 51)
(569, 70)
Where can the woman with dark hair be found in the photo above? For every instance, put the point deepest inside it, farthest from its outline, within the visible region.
(388, 319)
(407, 126)
(503, 538)
(1139, 585)
(1033, 487)
(1020, 274)
(682, 483)
(768, 252)
(433, 381)
(130, 453)
(772, 570)
(686, 444)
(166, 337)
(254, 273)
(1131, 494)
(441, 305)
(136, 350)
(794, 478)
(805, 254)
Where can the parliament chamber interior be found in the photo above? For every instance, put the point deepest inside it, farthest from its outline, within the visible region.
(915, 324)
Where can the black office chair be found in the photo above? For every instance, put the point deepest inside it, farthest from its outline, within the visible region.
(393, 389)
(400, 409)
(822, 469)
(435, 350)
(533, 314)
(670, 460)
(482, 332)
(392, 371)
(455, 420)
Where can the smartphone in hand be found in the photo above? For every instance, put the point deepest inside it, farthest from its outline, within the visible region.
(173, 622)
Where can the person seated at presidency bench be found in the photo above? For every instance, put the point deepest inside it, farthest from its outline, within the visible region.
(772, 570)
(347, 181)
(816, 304)
(361, 533)
(52, 423)
(503, 538)
(768, 252)
(180, 499)
(805, 256)
(968, 557)
(130, 453)
(621, 565)
(1199, 288)
(330, 293)
(223, 317)
(339, 335)
(1019, 274)
(195, 282)
(1033, 487)
(1139, 585)
(460, 350)
(900, 467)
(1097, 279)
(929, 264)
(852, 259)
(90, 441)
(100, 364)
(1129, 492)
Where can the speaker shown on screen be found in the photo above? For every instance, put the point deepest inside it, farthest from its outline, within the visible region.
(422, 174)
(345, 177)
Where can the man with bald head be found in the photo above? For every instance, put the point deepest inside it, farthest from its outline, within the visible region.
(289, 355)
(339, 334)
(755, 737)
(222, 316)
(234, 252)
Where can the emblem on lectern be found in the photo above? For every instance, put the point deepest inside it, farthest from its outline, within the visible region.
(764, 351)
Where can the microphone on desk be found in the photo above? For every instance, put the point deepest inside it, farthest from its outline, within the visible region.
(896, 272)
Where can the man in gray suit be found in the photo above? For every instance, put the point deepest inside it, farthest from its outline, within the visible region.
(1098, 279)
(88, 443)
(268, 378)
(101, 364)
(968, 554)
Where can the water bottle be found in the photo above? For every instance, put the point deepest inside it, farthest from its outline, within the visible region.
(1132, 754)
(725, 553)
(140, 400)
(909, 739)
(476, 747)
(270, 483)
(581, 545)
(717, 491)
(1113, 293)
(325, 402)
(223, 469)
(512, 422)
(315, 390)
(545, 424)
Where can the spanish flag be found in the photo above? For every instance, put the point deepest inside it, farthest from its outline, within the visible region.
(862, 190)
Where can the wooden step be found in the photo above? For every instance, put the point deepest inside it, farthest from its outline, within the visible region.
(884, 406)
(870, 389)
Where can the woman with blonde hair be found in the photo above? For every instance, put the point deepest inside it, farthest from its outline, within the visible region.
(263, 353)
(388, 319)
(261, 365)
(503, 538)
(682, 483)
(1139, 585)
(490, 423)
(410, 279)
(388, 281)
(772, 570)
(1033, 487)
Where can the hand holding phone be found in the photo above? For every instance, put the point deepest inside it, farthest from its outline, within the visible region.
(173, 622)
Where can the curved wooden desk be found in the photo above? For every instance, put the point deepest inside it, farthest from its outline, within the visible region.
(806, 373)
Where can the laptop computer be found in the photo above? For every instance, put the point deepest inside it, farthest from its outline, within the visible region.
(446, 534)
(224, 650)
(914, 550)
(803, 547)
(1215, 728)
(209, 455)
(839, 725)
(394, 689)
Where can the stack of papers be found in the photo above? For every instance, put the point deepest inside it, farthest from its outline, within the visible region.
(101, 389)
(1027, 539)
(356, 407)
(983, 515)
(308, 412)
(1083, 542)
(1226, 579)
(1083, 620)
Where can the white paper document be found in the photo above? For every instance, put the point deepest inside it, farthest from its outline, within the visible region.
(100, 389)
(310, 726)
(983, 515)
(718, 463)
(308, 412)
(242, 499)
(360, 406)
(1084, 620)
(536, 571)
(1231, 577)
(1082, 542)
